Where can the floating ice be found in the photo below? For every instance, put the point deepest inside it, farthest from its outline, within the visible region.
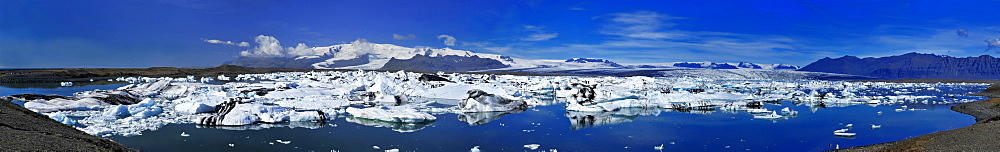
(193, 108)
(283, 141)
(395, 115)
(184, 134)
(62, 118)
(532, 146)
(475, 149)
(406, 101)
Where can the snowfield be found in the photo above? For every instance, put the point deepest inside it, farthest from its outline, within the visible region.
(407, 101)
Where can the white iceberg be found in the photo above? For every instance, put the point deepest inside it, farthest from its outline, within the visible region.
(393, 115)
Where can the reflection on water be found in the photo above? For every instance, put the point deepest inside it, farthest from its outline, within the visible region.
(480, 118)
(262, 126)
(396, 126)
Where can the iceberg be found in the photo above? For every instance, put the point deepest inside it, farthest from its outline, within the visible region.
(193, 108)
(391, 115)
(480, 101)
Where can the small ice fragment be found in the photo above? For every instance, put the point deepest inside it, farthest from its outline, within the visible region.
(840, 130)
(272, 143)
(184, 134)
(879, 113)
(553, 150)
(283, 142)
(899, 110)
(904, 106)
(527, 130)
(849, 125)
(660, 148)
(474, 149)
(375, 147)
(672, 143)
(232, 145)
(532, 146)
(876, 126)
(392, 150)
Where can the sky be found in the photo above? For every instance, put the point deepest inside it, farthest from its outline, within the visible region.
(202, 33)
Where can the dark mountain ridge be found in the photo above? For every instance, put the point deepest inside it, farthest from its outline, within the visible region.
(912, 65)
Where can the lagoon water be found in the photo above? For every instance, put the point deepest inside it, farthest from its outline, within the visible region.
(552, 128)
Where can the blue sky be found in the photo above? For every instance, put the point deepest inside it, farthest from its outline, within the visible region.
(123, 33)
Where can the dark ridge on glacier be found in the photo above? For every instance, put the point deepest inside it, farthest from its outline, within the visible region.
(594, 60)
(448, 63)
(911, 65)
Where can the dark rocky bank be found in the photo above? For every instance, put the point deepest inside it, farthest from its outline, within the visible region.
(25, 130)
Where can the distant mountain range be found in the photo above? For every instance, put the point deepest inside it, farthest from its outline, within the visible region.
(911, 65)
(366, 55)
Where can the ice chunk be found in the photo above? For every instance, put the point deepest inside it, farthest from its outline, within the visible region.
(475, 149)
(234, 113)
(117, 110)
(481, 101)
(393, 115)
(193, 108)
(283, 141)
(273, 117)
(61, 117)
(309, 116)
(184, 134)
(145, 112)
(532, 146)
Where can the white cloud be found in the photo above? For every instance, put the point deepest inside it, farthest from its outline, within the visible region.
(645, 36)
(538, 33)
(241, 44)
(640, 24)
(268, 46)
(448, 40)
(300, 50)
(401, 37)
(540, 37)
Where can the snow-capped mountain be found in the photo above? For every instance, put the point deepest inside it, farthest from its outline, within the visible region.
(361, 54)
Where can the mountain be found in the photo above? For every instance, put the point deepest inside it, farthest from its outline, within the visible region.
(911, 65)
(361, 54)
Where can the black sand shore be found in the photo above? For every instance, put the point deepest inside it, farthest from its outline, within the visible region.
(25, 130)
(981, 136)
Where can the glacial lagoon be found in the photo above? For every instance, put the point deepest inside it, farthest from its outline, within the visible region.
(552, 127)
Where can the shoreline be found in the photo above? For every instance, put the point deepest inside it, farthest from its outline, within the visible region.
(979, 136)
